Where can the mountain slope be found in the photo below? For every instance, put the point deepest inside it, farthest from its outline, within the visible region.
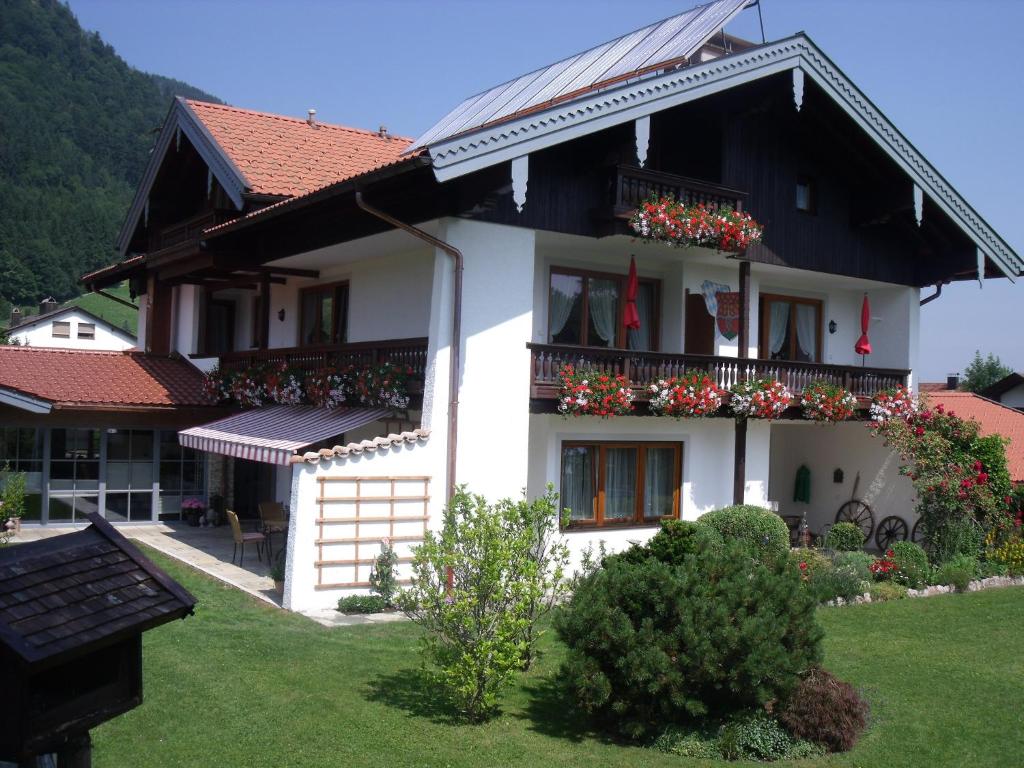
(76, 126)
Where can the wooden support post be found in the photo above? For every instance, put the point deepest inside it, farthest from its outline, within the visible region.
(739, 475)
(744, 335)
(264, 323)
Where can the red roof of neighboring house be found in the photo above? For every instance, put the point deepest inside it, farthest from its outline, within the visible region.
(75, 377)
(994, 418)
(933, 386)
(287, 156)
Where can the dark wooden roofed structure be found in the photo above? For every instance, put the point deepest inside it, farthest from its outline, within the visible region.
(72, 612)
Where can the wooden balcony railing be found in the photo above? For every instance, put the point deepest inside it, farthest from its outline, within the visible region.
(411, 352)
(632, 186)
(644, 368)
(186, 230)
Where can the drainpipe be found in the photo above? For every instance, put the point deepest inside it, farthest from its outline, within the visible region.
(453, 368)
(934, 296)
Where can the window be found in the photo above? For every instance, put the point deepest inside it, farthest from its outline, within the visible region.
(74, 473)
(587, 309)
(806, 195)
(61, 329)
(606, 484)
(129, 475)
(790, 328)
(21, 450)
(181, 475)
(219, 329)
(87, 330)
(324, 314)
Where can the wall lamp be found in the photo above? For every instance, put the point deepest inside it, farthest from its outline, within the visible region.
(280, 314)
(831, 326)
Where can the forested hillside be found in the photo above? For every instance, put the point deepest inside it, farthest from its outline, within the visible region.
(76, 127)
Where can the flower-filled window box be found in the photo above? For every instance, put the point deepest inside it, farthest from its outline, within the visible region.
(759, 399)
(692, 395)
(284, 386)
(893, 403)
(590, 392)
(829, 403)
(666, 220)
(385, 384)
(325, 388)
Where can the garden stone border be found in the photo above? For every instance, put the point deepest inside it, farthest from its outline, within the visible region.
(992, 582)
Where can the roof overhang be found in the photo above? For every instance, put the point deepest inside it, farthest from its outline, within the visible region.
(23, 401)
(181, 119)
(640, 98)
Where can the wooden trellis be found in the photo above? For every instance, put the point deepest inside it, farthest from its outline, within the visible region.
(356, 513)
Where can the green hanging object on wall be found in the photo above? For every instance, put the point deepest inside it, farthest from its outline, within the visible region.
(802, 486)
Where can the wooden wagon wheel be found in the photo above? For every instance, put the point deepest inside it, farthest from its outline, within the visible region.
(917, 533)
(858, 513)
(890, 530)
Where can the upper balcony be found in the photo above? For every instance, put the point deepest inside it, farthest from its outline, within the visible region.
(645, 368)
(631, 186)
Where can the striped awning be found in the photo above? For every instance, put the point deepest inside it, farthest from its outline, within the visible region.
(276, 433)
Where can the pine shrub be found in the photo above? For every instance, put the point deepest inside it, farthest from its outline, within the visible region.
(825, 710)
(674, 542)
(760, 529)
(845, 537)
(652, 644)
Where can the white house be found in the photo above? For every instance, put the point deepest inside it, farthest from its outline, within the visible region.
(495, 248)
(68, 327)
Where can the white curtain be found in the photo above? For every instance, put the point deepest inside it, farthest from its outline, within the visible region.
(778, 324)
(640, 338)
(620, 483)
(660, 475)
(807, 331)
(578, 488)
(565, 292)
(604, 304)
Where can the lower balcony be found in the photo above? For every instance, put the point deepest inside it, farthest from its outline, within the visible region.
(644, 368)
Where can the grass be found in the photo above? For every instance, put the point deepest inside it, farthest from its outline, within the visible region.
(241, 683)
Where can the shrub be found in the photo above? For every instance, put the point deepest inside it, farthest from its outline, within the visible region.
(959, 571)
(695, 744)
(845, 537)
(987, 568)
(650, 644)
(956, 536)
(824, 710)
(760, 529)
(859, 561)
(476, 588)
(12, 494)
(277, 566)
(754, 737)
(884, 591)
(362, 604)
(842, 580)
(911, 563)
(383, 581)
(677, 540)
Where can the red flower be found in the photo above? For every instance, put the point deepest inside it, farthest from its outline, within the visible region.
(803, 566)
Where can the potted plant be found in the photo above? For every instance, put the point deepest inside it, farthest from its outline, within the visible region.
(192, 510)
(12, 499)
(666, 220)
(826, 402)
(759, 399)
(277, 570)
(692, 395)
(590, 392)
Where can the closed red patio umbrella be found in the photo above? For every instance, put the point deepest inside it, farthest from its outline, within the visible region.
(632, 317)
(863, 345)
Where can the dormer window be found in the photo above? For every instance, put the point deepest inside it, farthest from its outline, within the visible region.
(806, 195)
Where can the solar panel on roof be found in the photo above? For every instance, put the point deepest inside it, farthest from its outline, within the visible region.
(665, 41)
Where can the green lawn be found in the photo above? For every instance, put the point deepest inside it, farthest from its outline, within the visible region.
(242, 684)
(116, 314)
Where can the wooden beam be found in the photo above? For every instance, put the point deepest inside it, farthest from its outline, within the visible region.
(264, 324)
(744, 335)
(286, 271)
(739, 472)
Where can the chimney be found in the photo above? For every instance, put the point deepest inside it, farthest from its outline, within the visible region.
(311, 117)
(953, 381)
(383, 132)
(49, 304)
(15, 316)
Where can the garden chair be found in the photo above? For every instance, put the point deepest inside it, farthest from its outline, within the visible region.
(272, 520)
(241, 539)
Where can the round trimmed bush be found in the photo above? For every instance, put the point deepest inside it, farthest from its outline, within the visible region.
(911, 562)
(651, 644)
(824, 710)
(844, 537)
(760, 529)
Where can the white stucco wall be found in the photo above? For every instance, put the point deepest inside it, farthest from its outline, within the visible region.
(823, 448)
(186, 308)
(40, 334)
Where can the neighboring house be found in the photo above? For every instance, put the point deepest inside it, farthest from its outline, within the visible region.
(1008, 391)
(495, 248)
(994, 418)
(97, 432)
(67, 327)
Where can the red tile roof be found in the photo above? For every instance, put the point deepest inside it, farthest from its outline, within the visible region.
(74, 377)
(994, 418)
(287, 156)
(933, 386)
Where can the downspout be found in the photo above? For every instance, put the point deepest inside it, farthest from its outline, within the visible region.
(934, 296)
(454, 361)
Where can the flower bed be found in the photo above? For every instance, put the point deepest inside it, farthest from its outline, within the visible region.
(589, 392)
(692, 395)
(759, 399)
(896, 402)
(666, 220)
(828, 403)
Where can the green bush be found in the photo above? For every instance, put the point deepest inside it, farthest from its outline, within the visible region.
(911, 564)
(754, 737)
(383, 580)
(956, 536)
(841, 581)
(958, 571)
(651, 644)
(362, 604)
(988, 568)
(859, 561)
(760, 529)
(844, 537)
(824, 710)
(673, 543)
(694, 744)
(12, 494)
(883, 591)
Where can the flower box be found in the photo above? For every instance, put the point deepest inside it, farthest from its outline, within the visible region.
(692, 395)
(759, 399)
(829, 403)
(589, 392)
(896, 402)
(666, 220)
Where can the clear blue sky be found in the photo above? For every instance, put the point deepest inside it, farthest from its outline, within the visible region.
(946, 72)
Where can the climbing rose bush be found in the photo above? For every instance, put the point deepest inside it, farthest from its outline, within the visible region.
(892, 403)
(759, 399)
(666, 220)
(589, 392)
(692, 395)
(822, 401)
